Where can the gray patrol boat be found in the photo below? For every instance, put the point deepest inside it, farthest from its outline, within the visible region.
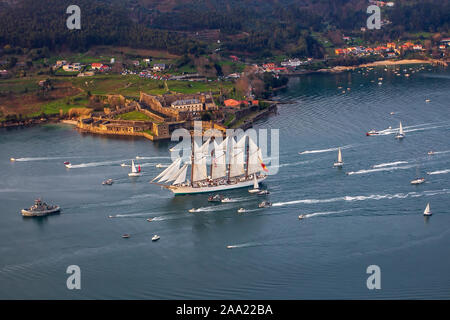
(40, 209)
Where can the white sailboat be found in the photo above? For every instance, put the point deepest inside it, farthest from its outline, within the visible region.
(339, 162)
(427, 211)
(400, 134)
(135, 172)
(233, 165)
(255, 186)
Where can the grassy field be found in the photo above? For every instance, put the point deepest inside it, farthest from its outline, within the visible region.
(133, 115)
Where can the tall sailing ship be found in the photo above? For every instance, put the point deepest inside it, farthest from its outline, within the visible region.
(234, 164)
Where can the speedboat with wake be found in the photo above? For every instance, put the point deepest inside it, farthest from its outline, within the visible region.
(339, 163)
(241, 210)
(263, 192)
(430, 153)
(12, 159)
(135, 172)
(372, 132)
(192, 210)
(159, 165)
(418, 181)
(40, 209)
(150, 219)
(66, 163)
(265, 204)
(302, 216)
(216, 198)
(226, 200)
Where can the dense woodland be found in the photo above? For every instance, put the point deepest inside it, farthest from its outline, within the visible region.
(257, 27)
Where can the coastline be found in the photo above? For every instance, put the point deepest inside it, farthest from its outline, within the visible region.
(338, 69)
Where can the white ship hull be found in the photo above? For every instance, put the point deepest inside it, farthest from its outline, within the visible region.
(180, 190)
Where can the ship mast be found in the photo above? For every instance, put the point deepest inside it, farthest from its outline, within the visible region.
(192, 161)
(212, 156)
(246, 169)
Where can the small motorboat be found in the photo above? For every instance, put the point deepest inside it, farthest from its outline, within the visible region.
(302, 216)
(69, 165)
(108, 182)
(430, 153)
(241, 210)
(123, 165)
(427, 211)
(155, 237)
(159, 165)
(263, 192)
(138, 157)
(427, 100)
(418, 181)
(392, 113)
(66, 162)
(110, 217)
(192, 210)
(126, 236)
(215, 198)
(372, 132)
(12, 159)
(265, 204)
(226, 200)
(229, 247)
(150, 219)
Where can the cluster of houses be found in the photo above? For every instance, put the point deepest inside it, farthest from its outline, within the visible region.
(382, 3)
(390, 50)
(68, 67)
(77, 67)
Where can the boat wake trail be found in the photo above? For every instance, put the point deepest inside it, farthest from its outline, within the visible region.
(324, 150)
(151, 158)
(95, 164)
(418, 127)
(389, 164)
(213, 208)
(363, 198)
(39, 159)
(314, 214)
(244, 245)
(379, 169)
(439, 172)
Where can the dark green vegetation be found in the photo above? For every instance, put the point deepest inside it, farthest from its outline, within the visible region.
(256, 27)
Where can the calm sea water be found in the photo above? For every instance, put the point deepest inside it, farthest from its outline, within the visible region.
(372, 216)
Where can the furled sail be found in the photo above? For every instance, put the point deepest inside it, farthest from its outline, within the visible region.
(181, 175)
(200, 157)
(254, 157)
(219, 164)
(237, 157)
(173, 169)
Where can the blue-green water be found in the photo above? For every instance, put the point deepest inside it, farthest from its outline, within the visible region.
(372, 216)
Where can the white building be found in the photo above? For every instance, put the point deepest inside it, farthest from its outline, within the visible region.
(188, 105)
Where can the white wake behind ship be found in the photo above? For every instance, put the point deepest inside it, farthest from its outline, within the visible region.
(233, 165)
